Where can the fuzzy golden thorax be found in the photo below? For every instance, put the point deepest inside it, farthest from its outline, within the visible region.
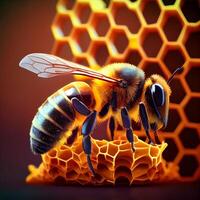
(103, 90)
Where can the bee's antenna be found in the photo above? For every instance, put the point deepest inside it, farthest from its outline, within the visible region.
(172, 76)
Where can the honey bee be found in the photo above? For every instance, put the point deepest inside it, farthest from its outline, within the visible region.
(118, 93)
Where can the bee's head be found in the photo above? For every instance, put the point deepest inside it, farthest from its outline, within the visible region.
(156, 98)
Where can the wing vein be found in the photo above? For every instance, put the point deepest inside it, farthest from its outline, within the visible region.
(46, 66)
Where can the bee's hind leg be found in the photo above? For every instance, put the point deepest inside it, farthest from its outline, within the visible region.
(87, 128)
(127, 125)
(145, 120)
(80, 107)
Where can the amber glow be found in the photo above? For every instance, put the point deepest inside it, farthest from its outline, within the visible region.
(113, 162)
(158, 43)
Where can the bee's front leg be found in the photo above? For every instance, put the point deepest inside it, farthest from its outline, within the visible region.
(145, 120)
(87, 128)
(127, 125)
(154, 128)
(111, 127)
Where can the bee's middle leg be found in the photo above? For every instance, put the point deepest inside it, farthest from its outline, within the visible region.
(127, 125)
(87, 128)
(145, 121)
(154, 128)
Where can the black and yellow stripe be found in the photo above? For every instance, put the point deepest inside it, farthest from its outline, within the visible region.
(56, 116)
(53, 118)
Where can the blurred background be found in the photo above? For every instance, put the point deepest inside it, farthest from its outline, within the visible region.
(157, 36)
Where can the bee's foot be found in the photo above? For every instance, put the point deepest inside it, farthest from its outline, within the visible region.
(132, 147)
(93, 173)
(95, 177)
(152, 143)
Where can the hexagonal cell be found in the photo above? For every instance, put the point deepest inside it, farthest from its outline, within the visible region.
(173, 120)
(152, 42)
(168, 2)
(63, 50)
(152, 67)
(124, 16)
(82, 61)
(189, 138)
(172, 27)
(83, 12)
(192, 110)
(151, 11)
(67, 4)
(101, 23)
(192, 44)
(53, 171)
(191, 10)
(178, 92)
(107, 3)
(172, 151)
(133, 57)
(173, 58)
(188, 165)
(82, 37)
(100, 52)
(119, 40)
(63, 25)
(192, 79)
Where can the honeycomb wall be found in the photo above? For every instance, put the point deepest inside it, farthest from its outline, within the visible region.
(157, 36)
(113, 161)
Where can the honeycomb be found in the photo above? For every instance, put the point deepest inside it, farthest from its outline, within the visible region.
(113, 162)
(157, 36)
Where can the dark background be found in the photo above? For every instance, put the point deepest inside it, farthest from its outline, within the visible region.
(24, 28)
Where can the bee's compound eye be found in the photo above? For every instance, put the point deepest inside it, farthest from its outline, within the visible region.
(158, 94)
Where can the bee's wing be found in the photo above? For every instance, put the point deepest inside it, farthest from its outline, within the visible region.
(47, 66)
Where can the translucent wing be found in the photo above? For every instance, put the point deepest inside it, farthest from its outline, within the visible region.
(47, 66)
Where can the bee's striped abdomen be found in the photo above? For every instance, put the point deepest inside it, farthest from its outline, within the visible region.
(57, 115)
(54, 117)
